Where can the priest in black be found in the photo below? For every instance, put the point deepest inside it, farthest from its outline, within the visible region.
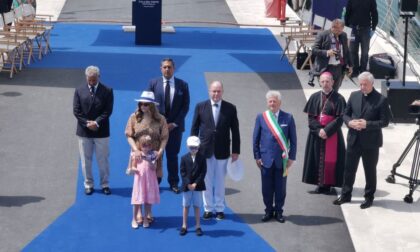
(325, 150)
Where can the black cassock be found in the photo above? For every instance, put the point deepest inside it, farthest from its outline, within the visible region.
(314, 168)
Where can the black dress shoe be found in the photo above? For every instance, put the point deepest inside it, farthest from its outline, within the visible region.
(199, 232)
(279, 217)
(207, 215)
(106, 190)
(220, 216)
(267, 217)
(175, 189)
(366, 204)
(89, 191)
(183, 231)
(341, 200)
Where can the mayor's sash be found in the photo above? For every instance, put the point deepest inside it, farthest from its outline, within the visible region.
(278, 134)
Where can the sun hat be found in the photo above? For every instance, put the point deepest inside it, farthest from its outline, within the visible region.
(193, 141)
(147, 97)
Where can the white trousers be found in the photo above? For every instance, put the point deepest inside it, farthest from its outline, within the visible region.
(214, 195)
(87, 146)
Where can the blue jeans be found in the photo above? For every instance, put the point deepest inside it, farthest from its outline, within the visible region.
(362, 39)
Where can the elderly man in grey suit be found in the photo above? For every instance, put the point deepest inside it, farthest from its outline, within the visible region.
(332, 53)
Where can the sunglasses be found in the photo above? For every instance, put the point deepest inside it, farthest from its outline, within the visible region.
(144, 104)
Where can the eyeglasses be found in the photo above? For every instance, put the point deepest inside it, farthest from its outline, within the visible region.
(193, 147)
(144, 104)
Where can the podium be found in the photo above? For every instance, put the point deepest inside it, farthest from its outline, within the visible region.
(147, 18)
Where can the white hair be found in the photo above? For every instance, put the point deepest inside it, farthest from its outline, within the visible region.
(92, 71)
(273, 93)
(366, 76)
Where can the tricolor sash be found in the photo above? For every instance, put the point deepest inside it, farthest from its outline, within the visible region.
(278, 134)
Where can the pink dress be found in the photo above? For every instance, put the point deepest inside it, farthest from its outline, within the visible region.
(145, 186)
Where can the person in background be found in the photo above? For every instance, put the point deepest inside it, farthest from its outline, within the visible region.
(332, 53)
(362, 17)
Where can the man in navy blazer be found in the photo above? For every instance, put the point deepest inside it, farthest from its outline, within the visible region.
(92, 107)
(216, 122)
(269, 156)
(366, 113)
(173, 97)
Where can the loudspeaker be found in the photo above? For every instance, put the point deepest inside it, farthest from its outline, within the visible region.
(400, 97)
(382, 65)
(409, 5)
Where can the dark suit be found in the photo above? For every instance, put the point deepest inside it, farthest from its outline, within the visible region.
(215, 139)
(179, 109)
(93, 107)
(193, 172)
(215, 146)
(266, 148)
(374, 108)
(322, 44)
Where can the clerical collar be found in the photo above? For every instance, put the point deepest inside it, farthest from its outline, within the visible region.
(368, 94)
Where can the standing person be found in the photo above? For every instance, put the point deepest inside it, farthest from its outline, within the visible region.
(5, 7)
(362, 17)
(216, 123)
(145, 186)
(173, 97)
(332, 53)
(276, 9)
(193, 171)
(325, 150)
(146, 120)
(274, 146)
(367, 112)
(92, 107)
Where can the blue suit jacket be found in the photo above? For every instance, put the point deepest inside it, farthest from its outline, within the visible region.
(180, 103)
(265, 146)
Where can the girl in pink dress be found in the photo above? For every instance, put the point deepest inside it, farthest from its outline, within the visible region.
(145, 186)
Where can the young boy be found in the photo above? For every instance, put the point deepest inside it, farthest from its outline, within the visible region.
(193, 171)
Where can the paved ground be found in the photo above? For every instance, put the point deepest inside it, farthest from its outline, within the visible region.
(390, 225)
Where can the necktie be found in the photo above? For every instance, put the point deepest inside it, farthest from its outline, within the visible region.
(215, 112)
(167, 98)
(92, 90)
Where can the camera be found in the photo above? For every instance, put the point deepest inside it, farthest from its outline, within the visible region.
(337, 54)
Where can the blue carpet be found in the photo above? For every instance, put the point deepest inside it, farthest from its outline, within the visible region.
(102, 223)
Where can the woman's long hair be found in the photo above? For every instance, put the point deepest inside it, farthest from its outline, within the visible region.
(153, 111)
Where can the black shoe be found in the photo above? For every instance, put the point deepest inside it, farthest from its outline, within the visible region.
(199, 232)
(279, 217)
(106, 190)
(267, 217)
(220, 216)
(183, 231)
(159, 180)
(89, 191)
(175, 189)
(366, 204)
(207, 215)
(341, 200)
